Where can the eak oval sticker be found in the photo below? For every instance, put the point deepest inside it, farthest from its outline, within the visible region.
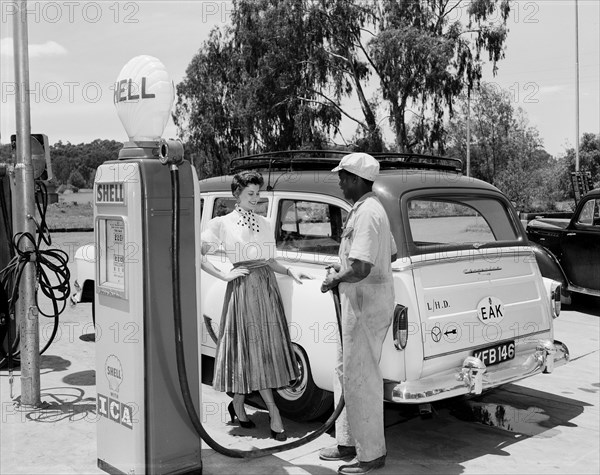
(490, 310)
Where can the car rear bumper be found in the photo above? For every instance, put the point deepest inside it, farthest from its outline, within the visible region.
(474, 377)
(584, 290)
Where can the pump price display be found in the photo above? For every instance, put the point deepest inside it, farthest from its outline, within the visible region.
(111, 257)
(115, 252)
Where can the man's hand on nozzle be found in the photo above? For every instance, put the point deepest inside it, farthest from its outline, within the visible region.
(329, 282)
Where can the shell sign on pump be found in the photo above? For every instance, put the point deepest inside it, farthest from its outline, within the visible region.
(111, 193)
(144, 94)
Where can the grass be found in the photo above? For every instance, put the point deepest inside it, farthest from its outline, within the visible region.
(73, 211)
(478, 228)
(70, 216)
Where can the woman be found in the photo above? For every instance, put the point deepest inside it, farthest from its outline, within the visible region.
(254, 352)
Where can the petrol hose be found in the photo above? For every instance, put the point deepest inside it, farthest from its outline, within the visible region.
(181, 369)
(50, 264)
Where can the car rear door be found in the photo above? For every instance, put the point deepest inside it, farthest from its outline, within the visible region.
(477, 286)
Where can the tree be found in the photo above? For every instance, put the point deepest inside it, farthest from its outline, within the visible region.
(491, 116)
(76, 180)
(84, 158)
(204, 113)
(252, 86)
(420, 56)
(505, 150)
(589, 160)
(275, 78)
(426, 59)
(523, 176)
(342, 27)
(67, 158)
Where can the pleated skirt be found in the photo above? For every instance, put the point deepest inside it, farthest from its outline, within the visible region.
(254, 350)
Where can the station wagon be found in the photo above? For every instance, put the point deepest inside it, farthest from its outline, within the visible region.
(472, 309)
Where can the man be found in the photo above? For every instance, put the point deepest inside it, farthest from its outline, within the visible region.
(364, 279)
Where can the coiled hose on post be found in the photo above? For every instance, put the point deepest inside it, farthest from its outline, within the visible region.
(51, 270)
(181, 370)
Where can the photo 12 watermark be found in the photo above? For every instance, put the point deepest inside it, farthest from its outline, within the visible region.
(520, 12)
(53, 92)
(71, 12)
(216, 12)
(526, 92)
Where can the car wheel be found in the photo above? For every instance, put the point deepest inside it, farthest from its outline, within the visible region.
(303, 400)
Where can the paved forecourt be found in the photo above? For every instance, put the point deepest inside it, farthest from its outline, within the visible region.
(548, 423)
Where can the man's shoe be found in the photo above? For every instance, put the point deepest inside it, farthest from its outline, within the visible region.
(338, 452)
(362, 467)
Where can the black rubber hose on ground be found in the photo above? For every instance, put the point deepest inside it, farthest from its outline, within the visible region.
(181, 370)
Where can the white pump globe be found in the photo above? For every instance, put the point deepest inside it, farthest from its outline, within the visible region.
(144, 95)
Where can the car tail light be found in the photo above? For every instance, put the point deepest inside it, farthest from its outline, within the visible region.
(555, 296)
(400, 326)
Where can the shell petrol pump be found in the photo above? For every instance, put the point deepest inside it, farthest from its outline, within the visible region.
(142, 424)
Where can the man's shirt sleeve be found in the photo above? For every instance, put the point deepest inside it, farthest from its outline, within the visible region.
(365, 238)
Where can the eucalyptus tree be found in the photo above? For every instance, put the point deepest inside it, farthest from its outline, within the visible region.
(421, 55)
(505, 149)
(205, 113)
(253, 85)
(282, 73)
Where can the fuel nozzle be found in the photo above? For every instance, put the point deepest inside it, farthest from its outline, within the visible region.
(170, 152)
(329, 270)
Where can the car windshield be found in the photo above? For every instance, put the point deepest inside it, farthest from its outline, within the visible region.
(449, 221)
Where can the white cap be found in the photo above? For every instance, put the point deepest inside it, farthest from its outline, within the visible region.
(361, 164)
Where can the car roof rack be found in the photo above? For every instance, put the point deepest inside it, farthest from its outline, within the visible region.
(296, 160)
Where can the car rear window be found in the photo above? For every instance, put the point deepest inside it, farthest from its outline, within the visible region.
(590, 213)
(458, 222)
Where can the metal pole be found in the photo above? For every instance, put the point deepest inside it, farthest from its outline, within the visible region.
(576, 87)
(468, 133)
(26, 310)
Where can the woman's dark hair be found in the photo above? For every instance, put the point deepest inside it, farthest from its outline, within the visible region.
(243, 179)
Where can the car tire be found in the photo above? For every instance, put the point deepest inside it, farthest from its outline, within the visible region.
(303, 400)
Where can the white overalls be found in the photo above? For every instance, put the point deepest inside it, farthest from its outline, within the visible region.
(367, 310)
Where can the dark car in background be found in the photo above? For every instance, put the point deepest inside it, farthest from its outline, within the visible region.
(570, 251)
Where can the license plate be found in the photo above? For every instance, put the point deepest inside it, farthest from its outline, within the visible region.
(496, 354)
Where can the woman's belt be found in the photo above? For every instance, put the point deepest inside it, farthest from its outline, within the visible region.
(255, 264)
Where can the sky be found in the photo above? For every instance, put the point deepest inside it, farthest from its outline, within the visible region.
(77, 49)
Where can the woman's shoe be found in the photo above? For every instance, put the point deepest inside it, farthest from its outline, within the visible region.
(280, 436)
(245, 424)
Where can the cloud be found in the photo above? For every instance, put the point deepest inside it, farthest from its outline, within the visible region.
(49, 48)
